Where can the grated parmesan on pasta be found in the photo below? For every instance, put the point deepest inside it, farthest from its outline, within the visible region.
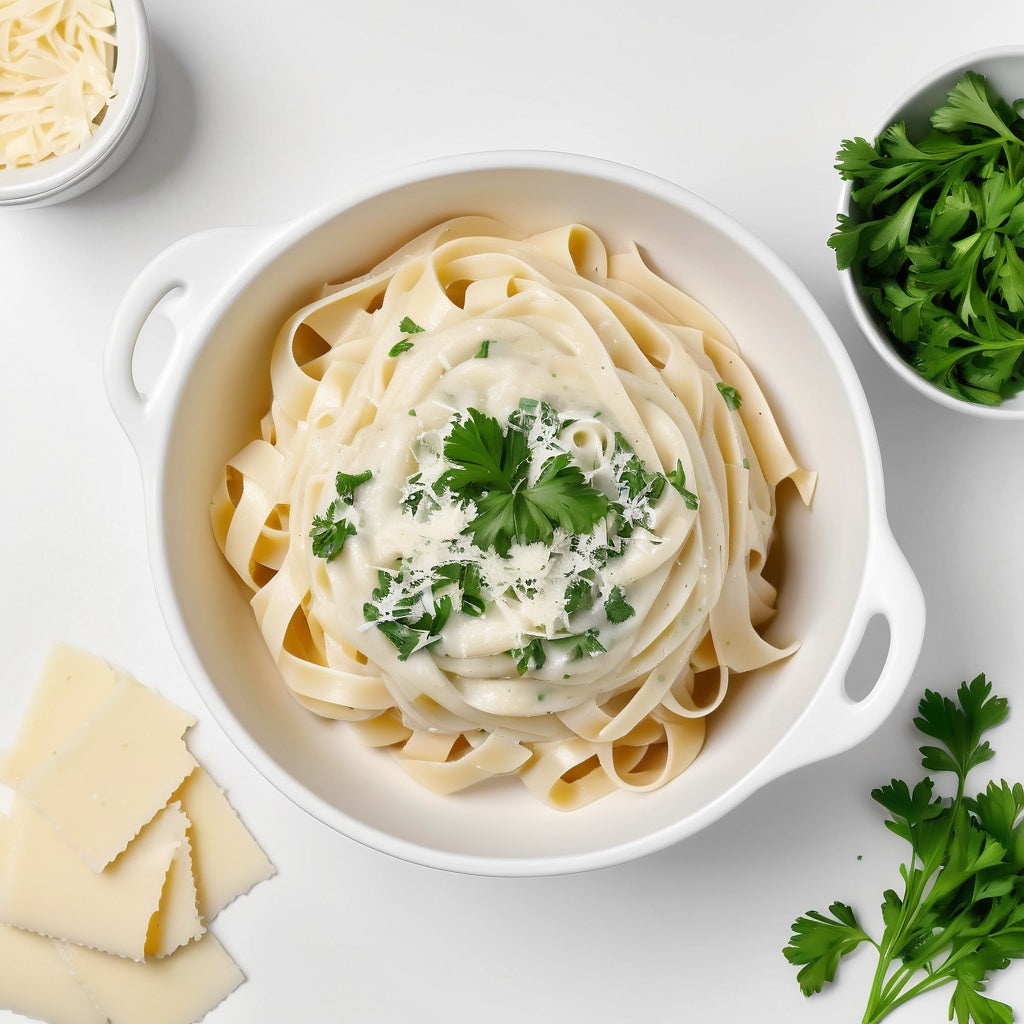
(56, 76)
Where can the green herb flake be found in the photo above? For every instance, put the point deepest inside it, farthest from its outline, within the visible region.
(586, 645)
(403, 637)
(616, 608)
(409, 326)
(730, 394)
(677, 478)
(407, 631)
(959, 916)
(399, 347)
(328, 534)
(331, 529)
(530, 655)
(346, 483)
(484, 350)
(579, 594)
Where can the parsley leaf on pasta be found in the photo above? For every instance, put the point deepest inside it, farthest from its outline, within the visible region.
(530, 655)
(730, 394)
(346, 483)
(408, 326)
(331, 529)
(677, 478)
(616, 607)
(490, 466)
(329, 533)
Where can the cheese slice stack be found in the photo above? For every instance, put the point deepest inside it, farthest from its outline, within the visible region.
(116, 852)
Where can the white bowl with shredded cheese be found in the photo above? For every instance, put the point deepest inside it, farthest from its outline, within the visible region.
(837, 568)
(81, 92)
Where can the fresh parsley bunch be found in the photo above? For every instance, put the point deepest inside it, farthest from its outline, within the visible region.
(960, 914)
(935, 237)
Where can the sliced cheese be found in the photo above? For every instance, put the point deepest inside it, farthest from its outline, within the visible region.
(178, 989)
(103, 910)
(226, 860)
(36, 981)
(70, 687)
(115, 773)
(47, 888)
(177, 921)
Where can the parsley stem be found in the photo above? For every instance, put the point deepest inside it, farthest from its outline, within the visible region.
(876, 1013)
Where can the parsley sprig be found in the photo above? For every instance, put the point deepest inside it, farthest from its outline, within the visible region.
(331, 528)
(934, 240)
(491, 467)
(960, 914)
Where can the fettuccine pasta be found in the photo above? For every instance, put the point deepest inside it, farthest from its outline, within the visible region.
(509, 512)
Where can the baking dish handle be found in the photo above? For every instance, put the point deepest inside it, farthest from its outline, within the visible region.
(189, 275)
(835, 721)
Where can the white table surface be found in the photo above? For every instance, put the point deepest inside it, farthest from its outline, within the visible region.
(265, 110)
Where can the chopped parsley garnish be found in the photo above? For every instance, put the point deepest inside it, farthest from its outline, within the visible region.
(579, 594)
(531, 655)
(329, 534)
(410, 626)
(633, 475)
(346, 483)
(331, 529)
(616, 607)
(730, 394)
(465, 576)
(485, 348)
(677, 478)
(407, 326)
(586, 645)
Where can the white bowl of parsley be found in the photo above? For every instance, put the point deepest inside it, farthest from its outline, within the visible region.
(835, 563)
(930, 236)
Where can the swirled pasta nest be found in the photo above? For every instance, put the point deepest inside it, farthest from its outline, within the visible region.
(482, 624)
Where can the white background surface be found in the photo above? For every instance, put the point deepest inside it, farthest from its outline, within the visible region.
(266, 110)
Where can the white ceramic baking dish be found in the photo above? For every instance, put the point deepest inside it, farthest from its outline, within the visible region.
(233, 288)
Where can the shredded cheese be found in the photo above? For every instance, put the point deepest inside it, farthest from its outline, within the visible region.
(56, 76)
